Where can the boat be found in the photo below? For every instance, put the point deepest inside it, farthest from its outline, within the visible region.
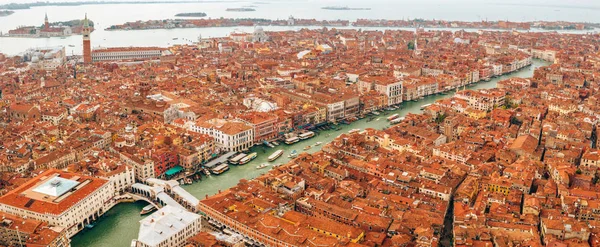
(389, 108)
(90, 226)
(293, 154)
(275, 143)
(220, 168)
(306, 135)
(307, 147)
(261, 166)
(292, 140)
(71, 46)
(206, 172)
(147, 209)
(275, 155)
(268, 144)
(175, 38)
(187, 181)
(425, 106)
(236, 159)
(397, 120)
(248, 158)
(318, 143)
(353, 131)
(376, 113)
(392, 117)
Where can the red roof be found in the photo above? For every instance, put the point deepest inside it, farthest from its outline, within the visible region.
(16, 199)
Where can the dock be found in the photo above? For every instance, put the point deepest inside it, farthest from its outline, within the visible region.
(219, 160)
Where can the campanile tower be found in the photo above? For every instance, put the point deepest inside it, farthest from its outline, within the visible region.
(87, 48)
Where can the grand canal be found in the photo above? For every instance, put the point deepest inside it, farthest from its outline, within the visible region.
(120, 225)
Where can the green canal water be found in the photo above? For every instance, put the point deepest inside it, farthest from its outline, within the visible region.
(121, 224)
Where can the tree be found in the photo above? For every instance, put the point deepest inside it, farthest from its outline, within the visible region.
(411, 45)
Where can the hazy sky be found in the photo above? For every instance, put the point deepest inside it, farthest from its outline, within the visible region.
(574, 3)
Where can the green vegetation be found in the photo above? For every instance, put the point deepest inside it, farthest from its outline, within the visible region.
(440, 118)
(411, 45)
(194, 14)
(6, 12)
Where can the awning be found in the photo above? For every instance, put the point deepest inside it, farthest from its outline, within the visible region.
(174, 170)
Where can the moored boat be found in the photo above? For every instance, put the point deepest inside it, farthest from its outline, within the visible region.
(220, 169)
(292, 140)
(236, 159)
(147, 209)
(293, 154)
(261, 166)
(318, 143)
(248, 158)
(307, 147)
(392, 117)
(353, 131)
(306, 135)
(275, 155)
(397, 120)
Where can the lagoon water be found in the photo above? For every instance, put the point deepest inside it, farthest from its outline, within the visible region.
(111, 14)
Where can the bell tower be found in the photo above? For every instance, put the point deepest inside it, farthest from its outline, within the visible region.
(46, 23)
(87, 48)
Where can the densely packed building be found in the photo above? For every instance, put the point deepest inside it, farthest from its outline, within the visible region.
(511, 166)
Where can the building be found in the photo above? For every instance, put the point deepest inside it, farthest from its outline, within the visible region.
(128, 53)
(229, 135)
(87, 46)
(169, 226)
(45, 58)
(61, 199)
(387, 85)
(17, 231)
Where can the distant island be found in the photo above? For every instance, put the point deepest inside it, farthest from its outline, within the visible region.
(42, 4)
(6, 12)
(50, 29)
(193, 14)
(240, 9)
(343, 8)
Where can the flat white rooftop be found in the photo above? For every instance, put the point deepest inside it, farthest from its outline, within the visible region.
(56, 186)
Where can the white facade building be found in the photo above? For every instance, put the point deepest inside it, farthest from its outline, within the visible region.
(128, 53)
(168, 227)
(228, 135)
(60, 198)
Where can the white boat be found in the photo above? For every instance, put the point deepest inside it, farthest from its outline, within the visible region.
(248, 158)
(236, 159)
(306, 135)
(397, 120)
(353, 131)
(147, 209)
(293, 154)
(275, 155)
(376, 113)
(307, 147)
(261, 166)
(318, 143)
(220, 169)
(392, 117)
(425, 106)
(292, 140)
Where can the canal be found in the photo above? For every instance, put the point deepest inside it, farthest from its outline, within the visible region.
(121, 224)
